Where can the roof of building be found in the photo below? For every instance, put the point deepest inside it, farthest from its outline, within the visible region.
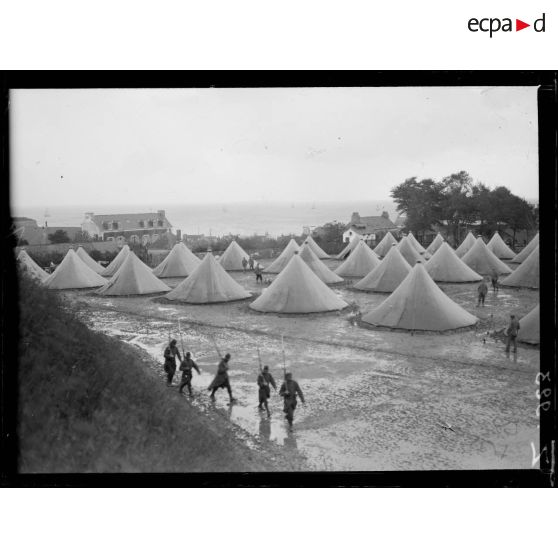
(372, 224)
(130, 220)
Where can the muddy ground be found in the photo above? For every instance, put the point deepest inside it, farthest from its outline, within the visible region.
(375, 399)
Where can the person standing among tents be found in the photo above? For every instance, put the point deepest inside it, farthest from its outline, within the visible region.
(258, 270)
(244, 263)
(251, 262)
(264, 380)
(171, 352)
(511, 332)
(482, 290)
(221, 379)
(186, 368)
(494, 279)
(289, 391)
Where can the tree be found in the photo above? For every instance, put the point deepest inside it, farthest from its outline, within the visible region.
(82, 236)
(59, 237)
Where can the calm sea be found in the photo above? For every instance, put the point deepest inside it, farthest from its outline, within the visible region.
(220, 219)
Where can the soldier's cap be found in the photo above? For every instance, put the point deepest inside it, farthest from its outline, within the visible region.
(288, 375)
(173, 342)
(227, 356)
(188, 354)
(266, 367)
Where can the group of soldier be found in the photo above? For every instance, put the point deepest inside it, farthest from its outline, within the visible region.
(289, 390)
(513, 328)
(254, 266)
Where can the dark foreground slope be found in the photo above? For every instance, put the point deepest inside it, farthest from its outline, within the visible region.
(87, 403)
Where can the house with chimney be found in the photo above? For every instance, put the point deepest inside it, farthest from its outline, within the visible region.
(371, 229)
(133, 228)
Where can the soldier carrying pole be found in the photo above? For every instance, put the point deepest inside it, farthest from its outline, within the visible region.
(264, 380)
(289, 391)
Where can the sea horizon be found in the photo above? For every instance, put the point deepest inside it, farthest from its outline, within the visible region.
(218, 219)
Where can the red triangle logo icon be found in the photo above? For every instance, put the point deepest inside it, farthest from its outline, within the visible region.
(519, 25)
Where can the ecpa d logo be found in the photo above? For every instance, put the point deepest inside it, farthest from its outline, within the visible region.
(492, 25)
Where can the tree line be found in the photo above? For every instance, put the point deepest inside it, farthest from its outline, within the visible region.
(457, 202)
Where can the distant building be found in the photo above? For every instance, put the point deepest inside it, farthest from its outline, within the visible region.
(370, 228)
(135, 228)
(28, 230)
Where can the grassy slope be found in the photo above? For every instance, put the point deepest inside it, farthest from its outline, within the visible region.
(87, 404)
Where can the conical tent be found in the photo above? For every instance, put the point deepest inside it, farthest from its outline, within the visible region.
(297, 290)
(348, 249)
(283, 259)
(360, 263)
(180, 262)
(530, 327)
(28, 265)
(446, 267)
(95, 266)
(209, 282)
(113, 266)
(387, 276)
(435, 244)
(499, 248)
(231, 259)
(73, 273)
(133, 278)
(524, 254)
(317, 266)
(384, 245)
(527, 274)
(315, 248)
(419, 304)
(483, 261)
(416, 244)
(464, 247)
(408, 252)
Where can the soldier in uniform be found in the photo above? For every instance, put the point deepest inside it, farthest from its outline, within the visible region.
(171, 352)
(482, 290)
(186, 367)
(264, 380)
(494, 280)
(289, 390)
(221, 379)
(244, 263)
(511, 332)
(251, 262)
(258, 271)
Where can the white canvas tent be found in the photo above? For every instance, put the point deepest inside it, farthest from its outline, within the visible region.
(283, 259)
(530, 327)
(408, 252)
(419, 304)
(416, 244)
(73, 273)
(384, 245)
(180, 262)
(360, 263)
(466, 245)
(28, 265)
(316, 248)
(523, 255)
(231, 259)
(317, 266)
(95, 266)
(387, 276)
(113, 266)
(527, 274)
(435, 244)
(297, 289)
(446, 267)
(208, 283)
(348, 249)
(483, 261)
(133, 278)
(499, 248)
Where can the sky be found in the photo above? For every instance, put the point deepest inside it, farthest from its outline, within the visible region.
(162, 146)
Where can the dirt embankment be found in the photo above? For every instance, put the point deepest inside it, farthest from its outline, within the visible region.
(82, 411)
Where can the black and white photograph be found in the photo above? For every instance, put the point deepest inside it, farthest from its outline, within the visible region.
(276, 279)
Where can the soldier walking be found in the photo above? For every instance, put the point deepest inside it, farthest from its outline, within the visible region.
(171, 352)
(186, 367)
(265, 379)
(244, 263)
(251, 262)
(289, 391)
(482, 290)
(494, 280)
(258, 270)
(221, 379)
(511, 332)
